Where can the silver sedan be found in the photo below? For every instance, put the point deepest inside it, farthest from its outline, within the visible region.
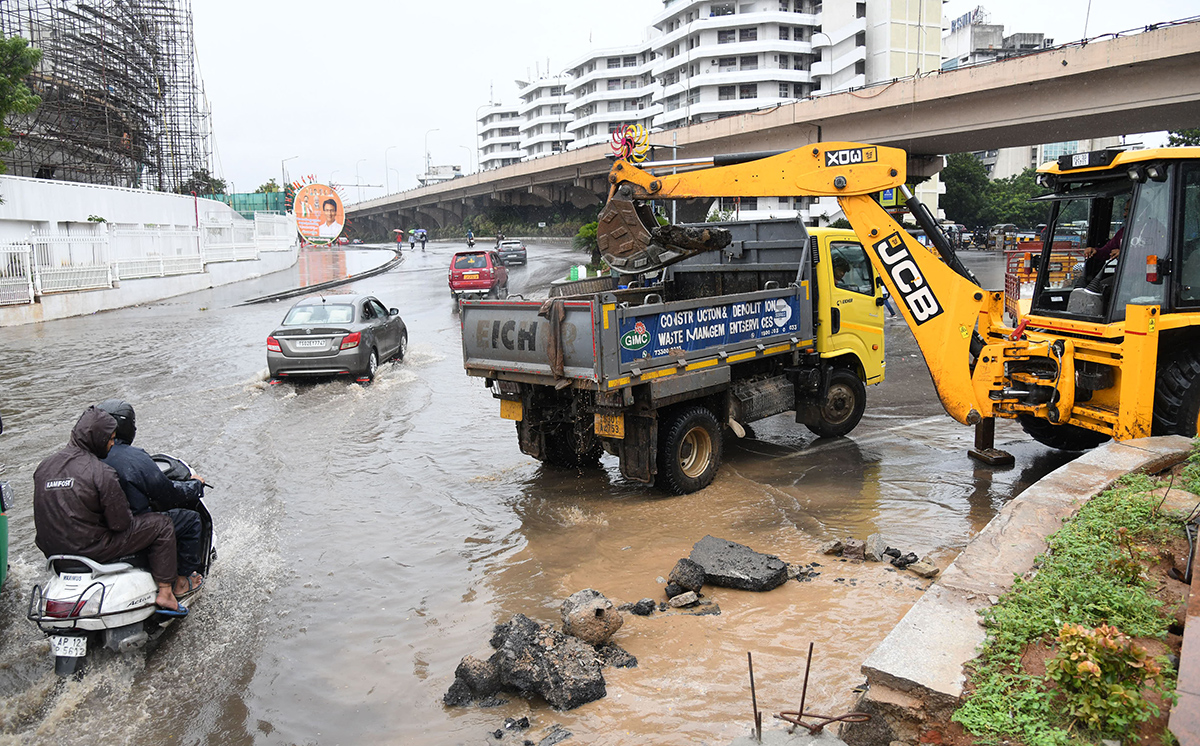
(333, 335)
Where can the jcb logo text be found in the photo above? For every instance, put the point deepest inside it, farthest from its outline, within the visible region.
(909, 282)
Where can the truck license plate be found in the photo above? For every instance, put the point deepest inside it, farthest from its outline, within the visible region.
(511, 410)
(610, 426)
(70, 646)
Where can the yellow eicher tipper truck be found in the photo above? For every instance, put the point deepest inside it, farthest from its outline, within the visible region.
(776, 318)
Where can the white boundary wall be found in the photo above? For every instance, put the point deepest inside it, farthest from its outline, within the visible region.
(70, 249)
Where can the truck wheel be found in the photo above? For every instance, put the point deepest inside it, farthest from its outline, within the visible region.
(1062, 437)
(562, 449)
(844, 403)
(1177, 396)
(689, 450)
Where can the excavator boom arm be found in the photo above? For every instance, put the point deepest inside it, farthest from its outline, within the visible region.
(940, 306)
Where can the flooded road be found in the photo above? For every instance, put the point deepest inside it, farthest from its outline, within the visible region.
(370, 536)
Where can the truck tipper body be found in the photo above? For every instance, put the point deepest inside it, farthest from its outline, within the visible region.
(781, 319)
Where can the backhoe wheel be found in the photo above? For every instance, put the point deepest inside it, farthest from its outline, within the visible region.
(1062, 437)
(845, 400)
(1177, 395)
(563, 449)
(689, 450)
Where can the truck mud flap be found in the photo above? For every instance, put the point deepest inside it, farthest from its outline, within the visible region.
(531, 438)
(809, 386)
(638, 449)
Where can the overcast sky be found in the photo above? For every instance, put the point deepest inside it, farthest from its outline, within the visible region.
(345, 84)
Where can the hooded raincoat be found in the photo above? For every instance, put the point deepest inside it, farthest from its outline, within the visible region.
(80, 508)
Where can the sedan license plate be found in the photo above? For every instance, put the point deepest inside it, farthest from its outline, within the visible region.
(610, 426)
(471, 276)
(69, 646)
(310, 343)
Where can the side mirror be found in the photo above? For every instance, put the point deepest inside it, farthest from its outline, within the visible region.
(393, 312)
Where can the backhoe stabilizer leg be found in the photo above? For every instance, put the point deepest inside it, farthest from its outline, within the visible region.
(631, 241)
(985, 449)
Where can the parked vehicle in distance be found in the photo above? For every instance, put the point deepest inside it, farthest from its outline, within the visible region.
(356, 241)
(478, 274)
(336, 335)
(511, 251)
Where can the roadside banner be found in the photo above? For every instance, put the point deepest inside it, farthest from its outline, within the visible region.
(319, 214)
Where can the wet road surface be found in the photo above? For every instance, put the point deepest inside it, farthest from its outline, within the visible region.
(370, 536)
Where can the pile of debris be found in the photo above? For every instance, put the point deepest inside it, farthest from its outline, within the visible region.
(725, 564)
(875, 549)
(564, 668)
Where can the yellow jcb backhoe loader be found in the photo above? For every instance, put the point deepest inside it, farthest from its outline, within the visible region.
(1110, 348)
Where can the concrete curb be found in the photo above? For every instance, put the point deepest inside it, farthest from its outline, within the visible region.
(916, 673)
(385, 267)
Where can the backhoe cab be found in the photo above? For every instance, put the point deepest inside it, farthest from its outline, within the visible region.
(1106, 352)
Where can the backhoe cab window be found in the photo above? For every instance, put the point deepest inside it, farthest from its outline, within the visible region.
(1147, 234)
(1070, 282)
(1189, 259)
(851, 268)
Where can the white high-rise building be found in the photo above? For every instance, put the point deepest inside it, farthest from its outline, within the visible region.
(499, 136)
(543, 116)
(709, 59)
(719, 58)
(609, 89)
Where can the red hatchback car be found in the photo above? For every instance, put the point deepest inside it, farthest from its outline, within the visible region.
(478, 274)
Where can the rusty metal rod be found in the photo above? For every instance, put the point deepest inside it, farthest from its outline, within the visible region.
(804, 691)
(754, 699)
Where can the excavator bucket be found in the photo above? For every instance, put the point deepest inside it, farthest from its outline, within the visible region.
(632, 242)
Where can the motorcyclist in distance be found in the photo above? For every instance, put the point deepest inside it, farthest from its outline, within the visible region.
(149, 490)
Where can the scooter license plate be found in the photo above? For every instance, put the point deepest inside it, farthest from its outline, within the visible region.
(68, 646)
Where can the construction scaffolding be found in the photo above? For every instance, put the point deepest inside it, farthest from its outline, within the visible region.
(122, 100)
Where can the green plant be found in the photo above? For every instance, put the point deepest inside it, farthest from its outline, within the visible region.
(96, 219)
(1101, 674)
(1086, 577)
(586, 240)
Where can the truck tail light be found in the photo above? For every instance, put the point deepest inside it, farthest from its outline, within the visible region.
(1152, 275)
(1028, 262)
(351, 340)
(273, 345)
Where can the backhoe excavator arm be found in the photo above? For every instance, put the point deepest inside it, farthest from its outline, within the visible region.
(940, 306)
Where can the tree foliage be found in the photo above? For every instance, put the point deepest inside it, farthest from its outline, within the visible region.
(972, 199)
(17, 61)
(202, 182)
(269, 188)
(1180, 138)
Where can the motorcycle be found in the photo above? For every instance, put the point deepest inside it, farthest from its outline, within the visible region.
(86, 603)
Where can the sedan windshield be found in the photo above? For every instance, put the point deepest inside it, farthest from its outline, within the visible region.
(323, 314)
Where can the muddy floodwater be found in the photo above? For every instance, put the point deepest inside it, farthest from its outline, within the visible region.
(370, 536)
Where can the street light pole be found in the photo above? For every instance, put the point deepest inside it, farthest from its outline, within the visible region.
(331, 173)
(358, 178)
(387, 176)
(427, 166)
(469, 152)
(283, 170)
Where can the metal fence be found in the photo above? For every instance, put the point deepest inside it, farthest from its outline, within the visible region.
(95, 256)
(16, 276)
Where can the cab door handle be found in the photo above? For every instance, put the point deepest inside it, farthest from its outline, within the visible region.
(835, 325)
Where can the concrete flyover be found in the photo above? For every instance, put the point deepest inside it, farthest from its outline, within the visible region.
(1139, 83)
